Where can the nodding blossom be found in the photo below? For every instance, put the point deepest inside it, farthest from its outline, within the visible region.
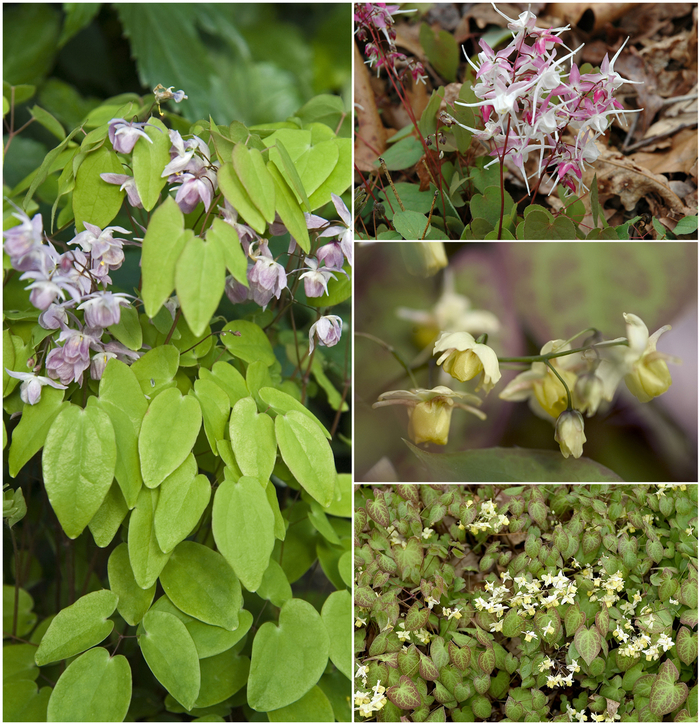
(328, 329)
(124, 134)
(527, 101)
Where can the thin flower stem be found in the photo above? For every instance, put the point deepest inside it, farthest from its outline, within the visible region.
(391, 350)
(551, 355)
(561, 379)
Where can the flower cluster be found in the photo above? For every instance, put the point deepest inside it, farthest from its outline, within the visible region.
(363, 703)
(528, 101)
(489, 519)
(371, 19)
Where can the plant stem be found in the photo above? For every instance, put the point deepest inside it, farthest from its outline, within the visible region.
(391, 350)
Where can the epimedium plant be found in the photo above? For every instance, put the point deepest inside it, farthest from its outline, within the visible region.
(188, 459)
(516, 101)
(528, 603)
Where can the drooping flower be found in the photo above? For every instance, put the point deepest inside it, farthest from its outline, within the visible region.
(124, 134)
(30, 389)
(464, 358)
(569, 433)
(328, 329)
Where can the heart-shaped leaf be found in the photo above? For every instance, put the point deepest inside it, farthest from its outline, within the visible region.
(587, 642)
(405, 694)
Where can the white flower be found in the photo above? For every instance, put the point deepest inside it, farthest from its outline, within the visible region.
(463, 358)
(361, 672)
(427, 532)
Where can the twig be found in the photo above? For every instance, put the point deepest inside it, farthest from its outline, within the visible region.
(659, 137)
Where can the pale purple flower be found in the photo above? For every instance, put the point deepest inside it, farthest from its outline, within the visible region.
(316, 279)
(195, 187)
(98, 364)
(183, 156)
(124, 135)
(328, 329)
(331, 255)
(266, 277)
(103, 309)
(126, 183)
(68, 362)
(235, 291)
(246, 235)
(20, 240)
(30, 389)
(101, 244)
(55, 316)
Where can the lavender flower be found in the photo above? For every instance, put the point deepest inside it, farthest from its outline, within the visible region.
(328, 329)
(124, 135)
(103, 309)
(316, 279)
(30, 389)
(126, 183)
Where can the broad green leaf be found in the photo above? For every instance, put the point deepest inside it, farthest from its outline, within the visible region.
(18, 663)
(164, 241)
(666, 696)
(156, 369)
(23, 701)
(288, 209)
(315, 165)
(405, 694)
(442, 51)
(511, 465)
(30, 434)
(340, 177)
(94, 687)
(488, 206)
(687, 645)
(307, 454)
(128, 330)
(228, 378)
(238, 197)
(78, 465)
(271, 493)
(201, 583)
(403, 154)
(109, 516)
(243, 526)
(251, 345)
(26, 618)
(200, 275)
(149, 160)
(275, 586)
(222, 676)
(282, 403)
(146, 558)
(342, 507)
(184, 496)
(171, 655)
(48, 122)
(253, 440)
(320, 522)
(30, 35)
(540, 224)
(78, 627)
(226, 237)
(587, 642)
(168, 433)
(297, 141)
(250, 167)
(337, 617)
(134, 601)
(94, 200)
(339, 290)
(276, 678)
(428, 123)
(313, 706)
(78, 16)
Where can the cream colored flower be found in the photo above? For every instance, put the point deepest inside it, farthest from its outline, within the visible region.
(464, 358)
(569, 433)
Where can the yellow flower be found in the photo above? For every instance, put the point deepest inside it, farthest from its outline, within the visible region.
(463, 358)
(569, 433)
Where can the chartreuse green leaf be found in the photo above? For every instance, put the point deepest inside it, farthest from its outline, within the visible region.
(222, 676)
(511, 465)
(307, 454)
(297, 141)
(125, 404)
(164, 241)
(313, 706)
(184, 496)
(209, 640)
(226, 237)
(339, 178)
(228, 378)
(315, 165)
(149, 160)
(30, 434)
(244, 528)
(667, 695)
(275, 586)
(109, 516)
(94, 200)
(94, 687)
(201, 583)
(78, 627)
(134, 601)
(48, 121)
(146, 557)
(156, 369)
(168, 433)
(23, 701)
(288, 209)
(250, 167)
(200, 275)
(342, 507)
(236, 194)
(78, 465)
(282, 403)
(287, 659)
(128, 330)
(215, 410)
(251, 345)
(252, 440)
(171, 655)
(337, 617)
(25, 616)
(18, 663)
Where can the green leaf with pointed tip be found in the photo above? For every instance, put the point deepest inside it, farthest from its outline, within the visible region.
(288, 209)
(337, 618)
(537, 510)
(252, 440)
(184, 496)
(250, 168)
(200, 275)
(78, 464)
(149, 160)
(215, 410)
(94, 687)
(156, 369)
(78, 627)
(251, 345)
(222, 676)
(228, 378)
(30, 434)
(94, 200)
(48, 121)
(687, 646)
(236, 194)
(165, 239)
(666, 696)
(488, 206)
(282, 403)
(405, 694)
(512, 624)
(171, 655)
(416, 617)
(587, 642)
(275, 586)
(226, 237)
(511, 465)
(109, 516)
(314, 706)
(244, 528)
(276, 679)
(128, 330)
(307, 454)
(146, 558)
(297, 141)
(134, 601)
(168, 433)
(201, 583)
(411, 225)
(574, 619)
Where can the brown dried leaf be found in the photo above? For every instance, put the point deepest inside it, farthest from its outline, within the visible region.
(370, 140)
(680, 155)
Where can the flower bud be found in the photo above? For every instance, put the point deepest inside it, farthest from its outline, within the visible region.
(464, 358)
(589, 393)
(569, 433)
(430, 421)
(650, 378)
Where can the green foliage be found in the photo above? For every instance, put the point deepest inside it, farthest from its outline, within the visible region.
(518, 639)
